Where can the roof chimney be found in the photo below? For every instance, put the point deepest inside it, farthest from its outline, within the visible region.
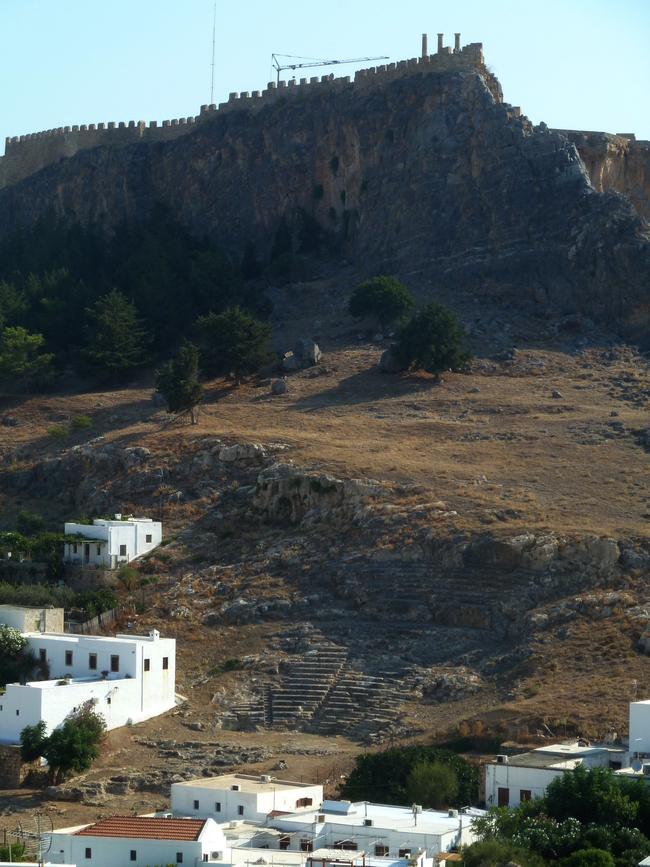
(424, 45)
(457, 45)
(440, 35)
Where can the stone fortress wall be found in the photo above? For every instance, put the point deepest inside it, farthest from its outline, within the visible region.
(27, 154)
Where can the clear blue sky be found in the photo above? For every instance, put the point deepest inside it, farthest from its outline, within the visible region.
(581, 64)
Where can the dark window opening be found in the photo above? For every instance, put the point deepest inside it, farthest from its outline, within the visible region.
(115, 663)
(284, 843)
(134, 855)
(122, 550)
(615, 766)
(148, 539)
(92, 661)
(147, 664)
(346, 846)
(42, 654)
(306, 845)
(525, 794)
(381, 851)
(304, 802)
(217, 806)
(503, 797)
(68, 657)
(240, 810)
(165, 663)
(404, 853)
(89, 853)
(196, 805)
(179, 857)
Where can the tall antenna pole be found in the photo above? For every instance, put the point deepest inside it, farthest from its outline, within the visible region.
(214, 30)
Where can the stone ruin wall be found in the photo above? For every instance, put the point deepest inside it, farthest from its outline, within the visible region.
(618, 162)
(25, 155)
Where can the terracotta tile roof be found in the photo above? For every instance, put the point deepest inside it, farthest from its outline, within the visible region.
(143, 828)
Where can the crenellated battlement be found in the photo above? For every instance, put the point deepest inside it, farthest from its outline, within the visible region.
(27, 154)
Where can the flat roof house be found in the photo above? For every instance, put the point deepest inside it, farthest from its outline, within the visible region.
(125, 678)
(378, 830)
(111, 542)
(140, 840)
(512, 779)
(241, 796)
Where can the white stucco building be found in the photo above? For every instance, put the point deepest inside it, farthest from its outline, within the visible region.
(140, 840)
(241, 796)
(513, 779)
(110, 543)
(380, 831)
(125, 678)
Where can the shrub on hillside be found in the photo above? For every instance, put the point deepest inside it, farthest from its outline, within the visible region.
(431, 341)
(383, 298)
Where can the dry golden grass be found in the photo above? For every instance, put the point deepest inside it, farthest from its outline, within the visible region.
(406, 429)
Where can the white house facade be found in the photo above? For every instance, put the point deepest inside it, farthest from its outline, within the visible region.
(141, 841)
(513, 779)
(241, 796)
(125, 678)
(109, 543)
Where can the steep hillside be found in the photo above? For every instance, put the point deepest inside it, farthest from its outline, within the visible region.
(424, 175)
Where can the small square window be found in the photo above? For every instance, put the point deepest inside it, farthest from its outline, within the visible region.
(92, 661)
(115, 663)
(240, 809)
(122, 550)
(148, 538)
(165, 663)
(147, 665)
(217, 804)
(42, 654)
(179, 857)
(196, 805)
(68, 657)
(134, 855)
(89, 853)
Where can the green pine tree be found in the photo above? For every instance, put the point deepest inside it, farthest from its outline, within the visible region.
(115, 339)
(21, 357)
(177, 382)
(235, 342)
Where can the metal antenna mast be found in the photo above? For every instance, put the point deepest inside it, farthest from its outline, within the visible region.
(214, 30)
(275, 59)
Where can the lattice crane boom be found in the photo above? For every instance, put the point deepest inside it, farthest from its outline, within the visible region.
(312, 62)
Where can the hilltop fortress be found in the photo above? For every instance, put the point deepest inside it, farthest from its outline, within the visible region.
(618, 162)
(417, 169)
(27, 154)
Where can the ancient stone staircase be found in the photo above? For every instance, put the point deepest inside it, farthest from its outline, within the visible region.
(356, 699)
(306, 685)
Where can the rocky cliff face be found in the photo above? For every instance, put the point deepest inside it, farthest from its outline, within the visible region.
(616, 162)
(426, 176)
